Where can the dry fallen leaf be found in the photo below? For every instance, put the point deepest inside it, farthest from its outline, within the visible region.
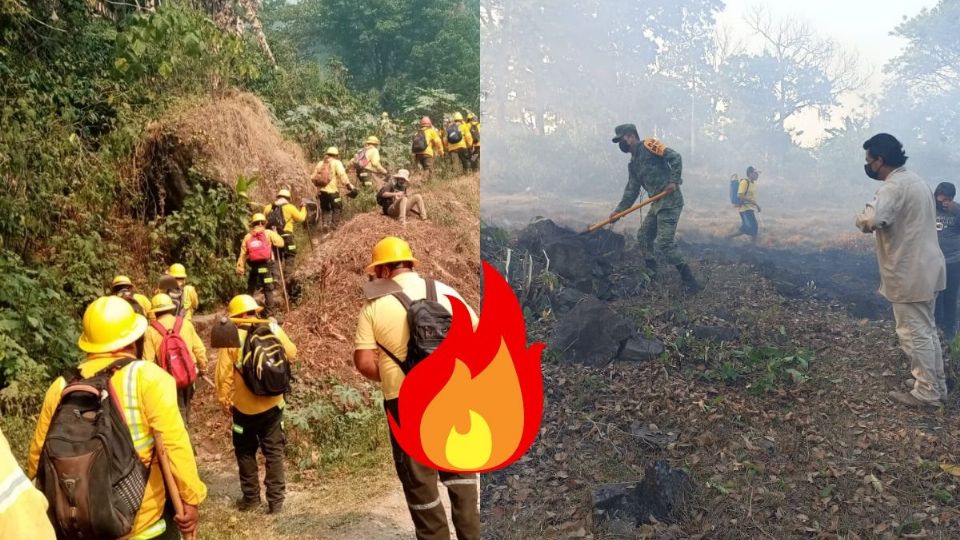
(950, 469)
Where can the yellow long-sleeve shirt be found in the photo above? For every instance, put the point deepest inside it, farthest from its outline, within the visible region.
(273, 237)
(747, 191)
(291, 214)
(434, 142)
(148, 396)
(338, 175)
(232, 391)
(466, 140)
(152, 340)
(373, 157)
(191, 301)
(23, 508)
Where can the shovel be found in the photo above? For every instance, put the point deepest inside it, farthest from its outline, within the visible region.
(173, 493)
(619, 215)
(224, 334)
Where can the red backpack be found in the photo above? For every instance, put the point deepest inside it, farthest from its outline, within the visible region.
(259, 248)
(174, 354)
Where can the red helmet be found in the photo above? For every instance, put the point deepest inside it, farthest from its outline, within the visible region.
(425, 121)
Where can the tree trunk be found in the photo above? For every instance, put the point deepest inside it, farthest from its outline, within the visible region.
(254, 19)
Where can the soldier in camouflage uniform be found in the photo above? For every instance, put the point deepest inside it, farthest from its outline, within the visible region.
(655, 168)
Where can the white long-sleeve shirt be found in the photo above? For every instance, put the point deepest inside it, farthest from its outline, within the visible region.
(903, 218)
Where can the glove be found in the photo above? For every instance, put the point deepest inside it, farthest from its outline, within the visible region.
(353, 193)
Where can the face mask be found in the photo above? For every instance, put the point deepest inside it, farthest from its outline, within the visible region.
(625, 147)
(870, 172)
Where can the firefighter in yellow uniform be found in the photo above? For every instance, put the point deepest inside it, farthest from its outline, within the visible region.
(291, 214)
(23, 508)
(123, 287)
(426, 146)
(474, 124)
(163, 308)
(256, 248)
(329, 175)
(367, 162)
(111, 329)
(191, 301)
(257, 420)
(463, 144)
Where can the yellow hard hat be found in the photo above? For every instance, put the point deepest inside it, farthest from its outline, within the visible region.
(333, 151)
(471, 116)
(120, 281)
(390, 250)
(258, 218)
(178, 271)
(242, 303)
(110, 324)
(372, 140)
(457, 116)
(285, 193)
(162, 302)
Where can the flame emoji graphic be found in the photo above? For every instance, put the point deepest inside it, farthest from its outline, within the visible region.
(475, 404)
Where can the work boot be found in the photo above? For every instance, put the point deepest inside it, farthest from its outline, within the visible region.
(689, 282)
(910, 400)
(275, 508)
(246, 505)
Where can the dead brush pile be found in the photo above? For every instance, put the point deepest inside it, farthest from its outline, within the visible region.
(221, 139)
(448, 247)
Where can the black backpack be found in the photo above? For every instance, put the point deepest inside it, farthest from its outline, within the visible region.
(453, 134)
(89, 469)
(475, 133)
(275, 219)
(176, 294)
(263, 363)
(384, 201)
(137, 308)
(429, 323)
(419, 143)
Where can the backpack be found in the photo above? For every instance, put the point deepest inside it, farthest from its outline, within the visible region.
(419, 143)
(259, 248)
(263, 363)
(384, 201)
(475, 133)
(429, 323)
(453, 134)
(360, 160)
(322, 178)
(176, 294)
(275, 219)
(89, 470)
(735, 192)
(174, 355)
(137, 308)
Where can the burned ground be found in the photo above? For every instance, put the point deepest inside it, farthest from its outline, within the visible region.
(771, 394)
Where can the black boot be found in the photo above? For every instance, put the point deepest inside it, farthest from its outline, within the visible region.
(690, 284)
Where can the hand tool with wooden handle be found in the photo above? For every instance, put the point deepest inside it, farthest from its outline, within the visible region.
(619, 215)
(173, 492)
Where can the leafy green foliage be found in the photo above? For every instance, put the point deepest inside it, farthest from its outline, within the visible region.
(204, 234)
(764, 368)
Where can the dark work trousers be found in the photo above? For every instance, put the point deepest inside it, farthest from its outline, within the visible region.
(748, 223)
(475, 158)
(171, 532)
(464, 155)
(426, 163)
(289, 250)
(423, 495)
(184, 396)
(946, 310)
(261, 276)
(263, 431)
(331, 207)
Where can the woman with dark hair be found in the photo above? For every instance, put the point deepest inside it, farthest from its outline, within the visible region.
(948, 234)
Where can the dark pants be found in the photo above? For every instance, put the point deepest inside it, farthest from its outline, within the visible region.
(331, 207)
(464, 155)
(261, 276)
(289, 250)
(426, 163)
(171, 532)
(946, 310)
(748, 223)
(475, 158)
(184, 396)
(423, 495)
(263, 431)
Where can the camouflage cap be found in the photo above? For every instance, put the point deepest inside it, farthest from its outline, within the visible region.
(623, 129)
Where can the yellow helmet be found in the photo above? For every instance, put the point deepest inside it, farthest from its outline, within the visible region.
(390, 250)
(333, 151)
(471, 116)
(120, 281)
(162, 302)
(178, 271)
(110, 324)
(372, 140)
(457, 116)
(285, 193)
(258, 218)
(242, 303)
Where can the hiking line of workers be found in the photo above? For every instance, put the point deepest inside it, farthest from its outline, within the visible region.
(114, 428)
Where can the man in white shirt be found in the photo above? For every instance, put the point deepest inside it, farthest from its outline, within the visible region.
(903, 218)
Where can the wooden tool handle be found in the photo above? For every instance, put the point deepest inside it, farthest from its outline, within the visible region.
(619, 215)
(173, 492)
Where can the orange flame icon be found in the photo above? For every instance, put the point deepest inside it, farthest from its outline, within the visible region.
(475, 404)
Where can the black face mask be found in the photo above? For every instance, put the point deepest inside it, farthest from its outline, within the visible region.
(940, 206)
(625, 147)
(870, 172)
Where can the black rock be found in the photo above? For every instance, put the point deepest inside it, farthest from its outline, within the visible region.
(716, 333)
(566, 299)
(662, 494)
(638, 349)
(590, 333)
(569, 260)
